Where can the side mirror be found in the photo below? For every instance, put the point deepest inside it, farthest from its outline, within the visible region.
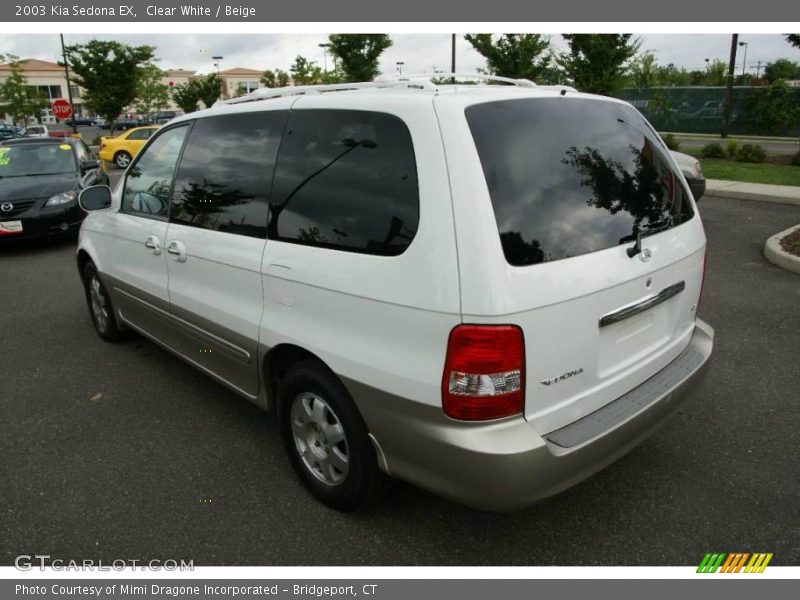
(95, 197)
(88, 165)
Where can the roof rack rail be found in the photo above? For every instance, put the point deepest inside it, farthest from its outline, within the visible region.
(422, 81)
(302, 90)
(439, 75)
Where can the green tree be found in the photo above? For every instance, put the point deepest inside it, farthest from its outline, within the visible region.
(108, 72)
(717, 73)
(151, 94)
(671, 76)
(645, 72)
(359, 54)
(771, 109)
(209, 89)
(17, 98)
(305, 72)
(186, 96)
(598, 63)
(793, 39)
(516, 55)
(276, 78)
(697, 77)
(783, 68)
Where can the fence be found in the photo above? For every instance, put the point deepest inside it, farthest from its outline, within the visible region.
(699, 109)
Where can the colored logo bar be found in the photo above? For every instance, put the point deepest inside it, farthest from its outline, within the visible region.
(734, 562)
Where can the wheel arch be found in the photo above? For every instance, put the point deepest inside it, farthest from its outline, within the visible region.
(278, 360)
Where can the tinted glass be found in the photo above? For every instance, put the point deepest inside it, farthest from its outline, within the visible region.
(569, 176)
(141, 134)
(226, 171)
(346, 180)
(36, 159)
(149, 179)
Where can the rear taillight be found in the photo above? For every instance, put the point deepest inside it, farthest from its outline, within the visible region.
(484, 373)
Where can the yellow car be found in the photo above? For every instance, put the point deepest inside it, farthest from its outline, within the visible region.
(121, 149)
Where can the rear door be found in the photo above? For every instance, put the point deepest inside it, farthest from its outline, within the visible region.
(217, 231)
(572, 183)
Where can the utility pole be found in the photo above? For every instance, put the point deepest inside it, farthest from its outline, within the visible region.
(453, 58)
(758, 70)
(726, 111)
(69, 87)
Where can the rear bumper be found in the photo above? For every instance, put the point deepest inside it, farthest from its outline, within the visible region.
(506, 464)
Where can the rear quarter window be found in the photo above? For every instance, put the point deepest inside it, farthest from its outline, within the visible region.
(570, 176)
(345, 180)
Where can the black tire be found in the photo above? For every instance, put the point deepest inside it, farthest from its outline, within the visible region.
(107, 327)
(364, 483)
(122, 159)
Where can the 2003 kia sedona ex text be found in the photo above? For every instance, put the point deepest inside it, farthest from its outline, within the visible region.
(489, 291)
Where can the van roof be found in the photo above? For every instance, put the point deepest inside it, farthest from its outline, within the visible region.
(421, 87)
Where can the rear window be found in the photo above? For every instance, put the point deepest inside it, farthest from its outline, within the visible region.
(569, 176)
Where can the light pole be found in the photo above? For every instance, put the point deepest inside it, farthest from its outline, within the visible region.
(400, 64)
(217, 60)
(744, 62)
(325, 46)
(708, 60)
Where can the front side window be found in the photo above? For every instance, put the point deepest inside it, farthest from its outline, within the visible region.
(346, 180)
(149, 179)
(226, 171)
(570, 176)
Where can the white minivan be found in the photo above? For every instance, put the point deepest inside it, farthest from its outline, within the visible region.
(489, 291)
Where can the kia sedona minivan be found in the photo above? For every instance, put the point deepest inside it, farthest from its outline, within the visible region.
(489, 291)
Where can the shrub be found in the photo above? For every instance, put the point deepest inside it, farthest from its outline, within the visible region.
(751, 153)
(713, 150)
(671, 142)
(796, 159)
(731, 148)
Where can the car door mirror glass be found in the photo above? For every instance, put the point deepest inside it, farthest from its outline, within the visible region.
(95, 198)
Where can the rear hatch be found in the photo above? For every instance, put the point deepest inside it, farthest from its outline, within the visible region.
(574, 182)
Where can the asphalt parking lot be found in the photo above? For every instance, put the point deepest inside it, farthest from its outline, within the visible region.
(112, 451)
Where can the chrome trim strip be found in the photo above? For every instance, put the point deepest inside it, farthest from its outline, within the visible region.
(642, 305)
(240, 353)
(194, 363)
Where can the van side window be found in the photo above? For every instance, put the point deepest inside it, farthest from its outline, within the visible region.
(346, 180)
(226, 171)
(149, 179)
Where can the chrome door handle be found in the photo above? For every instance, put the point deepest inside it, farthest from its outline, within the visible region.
(177, 250)
(153, 243)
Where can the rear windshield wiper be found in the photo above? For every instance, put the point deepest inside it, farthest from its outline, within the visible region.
(648, 229)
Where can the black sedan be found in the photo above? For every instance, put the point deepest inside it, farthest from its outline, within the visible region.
(40, 179)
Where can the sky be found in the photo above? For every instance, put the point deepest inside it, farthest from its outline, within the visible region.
(421, 53)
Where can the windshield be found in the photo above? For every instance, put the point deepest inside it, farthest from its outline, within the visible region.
(36, 159)
(569, 176)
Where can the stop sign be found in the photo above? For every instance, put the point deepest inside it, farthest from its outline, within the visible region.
(62, 109)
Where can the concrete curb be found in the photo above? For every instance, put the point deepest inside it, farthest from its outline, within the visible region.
(778, 194)
(778, 256)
